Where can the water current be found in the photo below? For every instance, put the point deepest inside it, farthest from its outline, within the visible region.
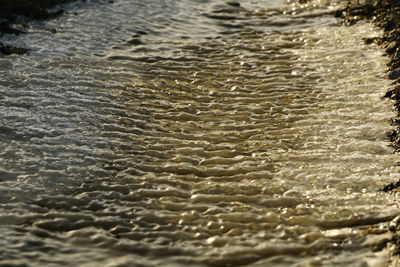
(195, 133)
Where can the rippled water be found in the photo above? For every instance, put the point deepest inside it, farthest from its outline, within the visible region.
(167, 133)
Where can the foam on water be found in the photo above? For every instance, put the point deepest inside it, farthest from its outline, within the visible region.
(195, 132)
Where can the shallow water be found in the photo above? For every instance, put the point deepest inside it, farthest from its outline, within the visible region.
(167, 133)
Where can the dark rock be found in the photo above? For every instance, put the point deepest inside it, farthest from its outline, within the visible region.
(391, 186)
(394, 75)
(141, 33)
(389, 94)
(385, 14)
(9, 50)
(135, 41)
(6, 28)
(338, 14)
(371, 40)
(52, 30)
(35, 9)
(392, 47)
(11, 12)
(234, 4)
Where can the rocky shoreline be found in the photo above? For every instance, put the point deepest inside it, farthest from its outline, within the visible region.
(386, 15)
(13, 14)
(36, 9)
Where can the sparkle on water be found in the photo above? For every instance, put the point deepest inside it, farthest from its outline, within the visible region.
(192, 132)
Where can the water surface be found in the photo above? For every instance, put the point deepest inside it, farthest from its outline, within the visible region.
(195, 132)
